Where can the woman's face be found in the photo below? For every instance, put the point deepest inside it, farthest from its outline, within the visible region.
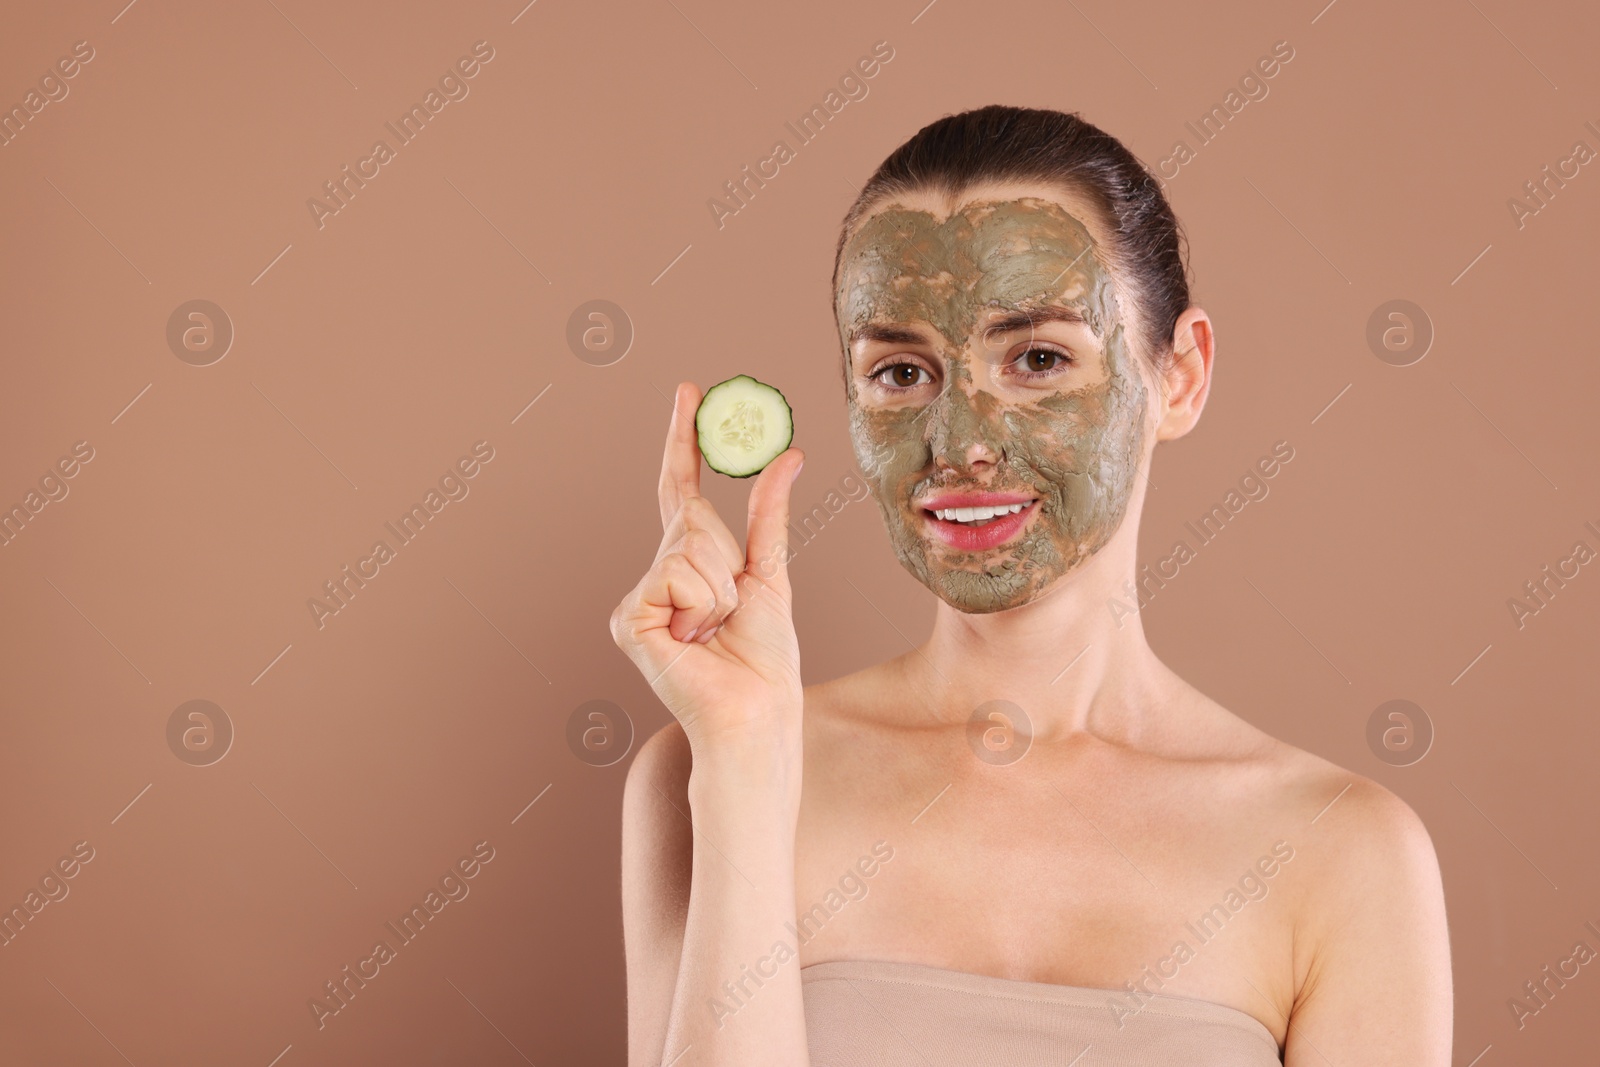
(990, 371)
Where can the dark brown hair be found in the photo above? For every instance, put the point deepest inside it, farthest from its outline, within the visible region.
(999, 143)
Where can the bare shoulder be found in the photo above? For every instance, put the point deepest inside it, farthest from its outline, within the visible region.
(1369, 901)
(1365, 848)
(1357, 831)
(1358, 834)
(1371, 943)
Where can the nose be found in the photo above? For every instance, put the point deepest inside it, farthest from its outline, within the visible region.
(962, 430)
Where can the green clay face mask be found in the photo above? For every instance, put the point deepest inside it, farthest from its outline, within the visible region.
(1074, 443)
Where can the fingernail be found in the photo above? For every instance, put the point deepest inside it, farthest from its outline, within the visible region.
(690, 635)
(797, 471)
(708, 635)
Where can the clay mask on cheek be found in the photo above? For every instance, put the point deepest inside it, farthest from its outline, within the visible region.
(1076, 449)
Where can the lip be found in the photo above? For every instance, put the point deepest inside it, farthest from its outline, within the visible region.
(971, 500)
(977, 538)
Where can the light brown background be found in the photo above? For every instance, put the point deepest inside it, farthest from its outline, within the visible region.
(431, 711)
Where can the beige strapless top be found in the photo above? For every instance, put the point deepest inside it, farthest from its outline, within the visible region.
(873, 1013)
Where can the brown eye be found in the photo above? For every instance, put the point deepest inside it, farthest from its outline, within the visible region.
(902, 375)
(1041, 360)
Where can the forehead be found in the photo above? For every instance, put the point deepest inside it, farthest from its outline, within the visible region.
(942, 205)
(930, 255)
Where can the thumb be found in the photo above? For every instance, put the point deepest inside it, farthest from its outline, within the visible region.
(767, 540)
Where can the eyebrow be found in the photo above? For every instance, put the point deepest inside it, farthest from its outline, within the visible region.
(1031, 317)
(1012, 320)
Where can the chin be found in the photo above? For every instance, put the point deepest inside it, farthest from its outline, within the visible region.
(977, 593)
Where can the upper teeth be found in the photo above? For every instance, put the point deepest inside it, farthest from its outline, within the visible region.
(982, 514)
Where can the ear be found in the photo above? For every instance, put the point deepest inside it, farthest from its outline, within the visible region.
(1187, 380)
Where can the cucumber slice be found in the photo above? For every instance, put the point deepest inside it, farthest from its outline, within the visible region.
(743, 425)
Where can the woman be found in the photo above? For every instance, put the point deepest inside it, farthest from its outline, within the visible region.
(1027, 840)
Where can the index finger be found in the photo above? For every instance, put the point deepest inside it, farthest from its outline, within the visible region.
(680, 463)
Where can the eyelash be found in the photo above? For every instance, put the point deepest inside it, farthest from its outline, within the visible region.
(1063, 358)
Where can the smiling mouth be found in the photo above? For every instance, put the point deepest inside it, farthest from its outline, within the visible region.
(977, 516)
(977, 522)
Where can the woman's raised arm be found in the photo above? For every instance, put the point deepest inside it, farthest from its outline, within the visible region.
(711, 629)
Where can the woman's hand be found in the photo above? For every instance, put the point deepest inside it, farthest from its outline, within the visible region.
(710, 625)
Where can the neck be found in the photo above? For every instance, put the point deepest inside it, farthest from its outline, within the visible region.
(1075, 659)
